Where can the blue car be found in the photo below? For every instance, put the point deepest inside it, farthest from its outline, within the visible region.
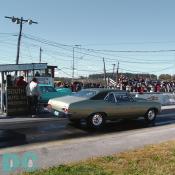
(47, 92)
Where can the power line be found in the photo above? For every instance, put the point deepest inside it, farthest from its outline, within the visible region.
(100, 57)
(68, 48)
(98, 50)
(45, 41)
(91, 51)
(108, 54)
(130, 43)
(130, 51)
(64, 72)
(101, 50)
(10, 34)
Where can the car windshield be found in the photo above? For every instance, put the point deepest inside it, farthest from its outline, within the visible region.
(85, 93)
(45, 89)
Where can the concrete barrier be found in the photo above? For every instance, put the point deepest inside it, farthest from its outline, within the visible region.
(163, 98)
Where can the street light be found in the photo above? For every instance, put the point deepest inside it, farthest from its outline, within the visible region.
(20, 21)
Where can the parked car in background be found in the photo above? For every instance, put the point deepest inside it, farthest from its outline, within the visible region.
(99, 105)
(48, 91)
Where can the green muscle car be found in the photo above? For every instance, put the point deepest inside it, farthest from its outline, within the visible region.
(99, 105)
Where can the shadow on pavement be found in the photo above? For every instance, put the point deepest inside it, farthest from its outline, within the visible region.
(10, 138)
(65, 131)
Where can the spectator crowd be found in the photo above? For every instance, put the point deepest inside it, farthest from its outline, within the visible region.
(143, 85)
(140, 85)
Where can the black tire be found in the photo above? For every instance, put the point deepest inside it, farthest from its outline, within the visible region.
(96, 120)
(150, 116)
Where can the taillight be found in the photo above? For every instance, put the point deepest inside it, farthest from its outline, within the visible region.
(65, 110)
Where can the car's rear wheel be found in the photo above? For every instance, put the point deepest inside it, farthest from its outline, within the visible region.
(150, 116)
(96, 120)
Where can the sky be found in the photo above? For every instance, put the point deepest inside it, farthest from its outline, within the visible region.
(139, 34)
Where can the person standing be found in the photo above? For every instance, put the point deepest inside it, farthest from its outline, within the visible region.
(21, 82)
(32, 91)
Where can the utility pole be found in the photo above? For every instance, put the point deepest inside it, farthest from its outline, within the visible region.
(73, 61)
(113, 75)
(40, 54)
(20, 21)
(73, 65)
(104, 67)
(117, 73)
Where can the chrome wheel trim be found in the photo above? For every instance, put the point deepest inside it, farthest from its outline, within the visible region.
(151, 115)
(97, 120)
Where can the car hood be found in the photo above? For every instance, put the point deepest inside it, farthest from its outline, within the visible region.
(63, 102)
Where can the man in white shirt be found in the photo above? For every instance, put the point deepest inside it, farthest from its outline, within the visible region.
(32, 91)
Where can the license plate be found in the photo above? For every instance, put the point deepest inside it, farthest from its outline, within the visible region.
(56, 113)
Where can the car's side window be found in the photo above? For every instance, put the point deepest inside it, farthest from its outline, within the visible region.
(131, 98)
(122, 98)
(110, 98)
(99, 96)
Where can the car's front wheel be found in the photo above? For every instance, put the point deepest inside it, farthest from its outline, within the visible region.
(150, 116)
(96, 120)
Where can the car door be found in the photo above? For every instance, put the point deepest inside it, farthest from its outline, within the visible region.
(110, 107)
(47, 92)
(128, 107)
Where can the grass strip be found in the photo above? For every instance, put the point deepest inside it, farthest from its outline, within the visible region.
(151, 160)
